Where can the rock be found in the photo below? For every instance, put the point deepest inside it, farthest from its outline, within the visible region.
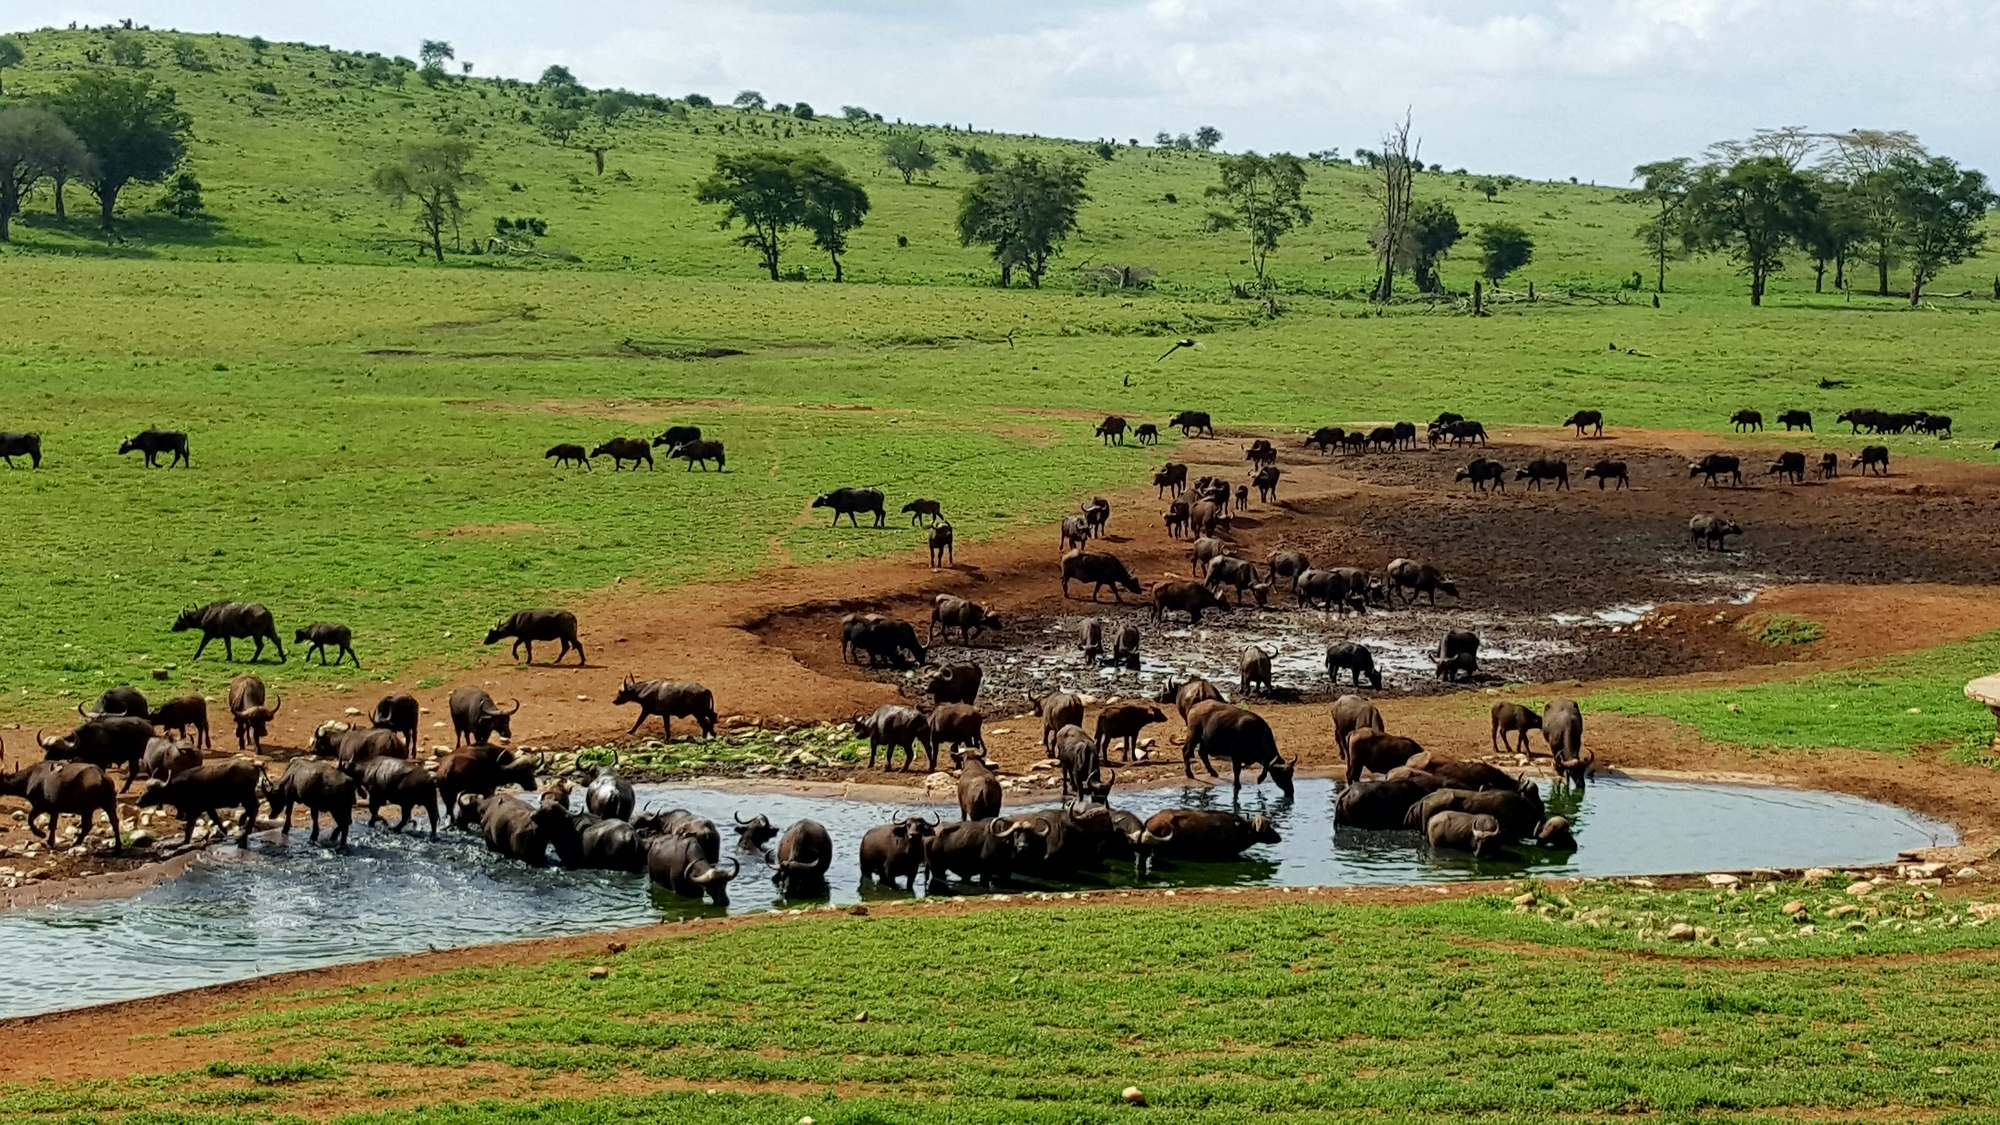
(140, 839)
(1792, 907)
(583, 699)
(1681, 931)
(1817, 875)
(1526, 898)
(1984, 911)
(1001, 730)
(1723, 879)
(1148, 743)
(1133, 1096)
(1857, 927)
(352, 711)
(1734, 709)
(805, 1121)
(1843, 910)
(940, 780)
(159, 673)
(1858, 889)
(1914, 711)
(858, 910)
(1920, 870)
(599, 972)
(1966, 873)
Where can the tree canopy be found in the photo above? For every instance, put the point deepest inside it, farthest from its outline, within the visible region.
(1664, 185)
(1503, 248)
(1753, 210)
(771, 193)
(1262, 195)
(1942, 208)
(135, 132)
(34, 142)
(1024, 209)
(1434, 230)
(748, 99)
(433, 174)
(906, 152)
(1207, 137)
(10, 55)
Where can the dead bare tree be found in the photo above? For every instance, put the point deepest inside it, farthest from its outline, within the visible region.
(1398, 166)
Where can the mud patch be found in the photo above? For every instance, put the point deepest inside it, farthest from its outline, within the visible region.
(481, 530)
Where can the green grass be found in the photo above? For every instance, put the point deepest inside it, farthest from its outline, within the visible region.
(1577, 1007)
(1781, 630)
(1888, 706)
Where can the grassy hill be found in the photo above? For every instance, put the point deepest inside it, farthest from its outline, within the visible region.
(285, 140)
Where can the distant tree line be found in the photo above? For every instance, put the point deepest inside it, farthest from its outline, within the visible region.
(1865, 195)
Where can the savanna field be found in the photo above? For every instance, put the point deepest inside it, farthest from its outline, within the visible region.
(367, 429)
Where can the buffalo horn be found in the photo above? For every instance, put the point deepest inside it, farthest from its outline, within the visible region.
(88, 715)
(738, 818)
(516, 708)
(1003, 833)
(277, 701)
(936, 820)
(1152, 837)
(39, 740)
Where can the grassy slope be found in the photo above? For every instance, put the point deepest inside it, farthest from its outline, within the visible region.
(348, 417)
(1216, 1011)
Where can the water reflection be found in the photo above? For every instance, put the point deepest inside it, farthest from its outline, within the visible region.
(285, 904)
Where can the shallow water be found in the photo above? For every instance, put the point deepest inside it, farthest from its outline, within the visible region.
(287, 904)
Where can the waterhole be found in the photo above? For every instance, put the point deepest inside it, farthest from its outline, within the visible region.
(286, 904)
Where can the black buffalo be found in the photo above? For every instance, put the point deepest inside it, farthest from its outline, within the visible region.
(21, 445)
(621, 450)
(668, 699)
(531, 625)
(152, 443)
(323, 635)
(850, 502)
(231, 621)
(476, 719)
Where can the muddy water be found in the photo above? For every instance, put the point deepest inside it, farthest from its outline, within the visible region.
(281, 905)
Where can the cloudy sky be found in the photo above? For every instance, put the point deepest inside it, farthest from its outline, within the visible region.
(1539, 87)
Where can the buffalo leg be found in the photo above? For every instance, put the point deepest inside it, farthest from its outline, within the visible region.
(531, 649)
(110, 818)
(205, 638)
(229, 649)
(581, 660)
(348, 651)
(431, 814)
(374, 813)
(666, 727)
(405, 819)
(641, 720)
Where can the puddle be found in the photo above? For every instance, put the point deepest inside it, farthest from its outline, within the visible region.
(282, 905)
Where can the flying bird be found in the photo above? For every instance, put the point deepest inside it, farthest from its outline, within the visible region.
(1178, 345)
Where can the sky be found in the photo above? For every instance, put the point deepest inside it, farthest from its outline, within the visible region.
(1543, 88)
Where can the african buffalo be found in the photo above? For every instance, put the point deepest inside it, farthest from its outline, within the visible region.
(109, 740)
(568, 453)
(479, 771)
(1545, 469)
(1874, 457)
(353, 747)
(607, 844)
(1186, 694)
(231, 621)
(1378, 751)
(896, 851)
(1170, 478)
(1112, 429)
(518, 830)
(1355, 660)
(1325, 438)
(1237, 574)
(978, 787)
(955, 725)
(1789, 466)
(894, 725)
(1519, 811)
(1409, 578)
(940, 543)
(319, 787)
(754, 833)
(700, 453)
(14, 445)
(1464, 430)
(165, 757)
(322, 635)
(1222, 730)
(1477, 833)
(178, 715)
(152, 443)
(205, 790)
(622, 449)
(475, 718)
(970, 849)
(1747, 420)
(1205, 833)
(1125, 721)
(1340, 589)
(1351, 713)
(968, 617)
(669, 699)
(1147, 433)
(676, 436)
(883, 640)
(1100, 570)
(1712, 468)
(956, 683)
(56, 789)
(1376, 804)
(1482, 472)
(398, 711)
(1253, 669)
(1609, 470)
(397, 781)
(253, 717)
(1057, 710)
(1192, 421)
(1711, 531)
(1562, 726)
(680, 864)
(851, 502)
(803, 855)
(530, 625)
(1796, 420)
(1514, 719)
(1592, 420)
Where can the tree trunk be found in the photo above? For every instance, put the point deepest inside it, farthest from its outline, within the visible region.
(1756, 288)
(1916, 291)
(1006, 275)
(836, 266)
(437, 242)
(60, 181)
(1882, 275)
(107, 202)
(1819, 275)
(1478, 299)
(599, 154)
(1840, 270)
(1660, 286)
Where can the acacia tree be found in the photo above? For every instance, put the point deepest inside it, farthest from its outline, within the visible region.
(134, 131)
(1262, 194)
(1434, 230)
(759, 190)
(1664, 185)
(32, 141)
(1207, 137)
(748, 99)
(434, 53)
(1503, 248)
(1024, 209)
(1832, 230)
(831, 204)
(1861, 157)
(432, 174)
(907, 153)
(1753, 210)
(1942, 208)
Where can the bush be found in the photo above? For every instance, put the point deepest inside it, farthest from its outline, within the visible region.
(802, 111)
(182, 199)
(264, 86)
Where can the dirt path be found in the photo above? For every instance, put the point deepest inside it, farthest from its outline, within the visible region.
(1884, 564)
